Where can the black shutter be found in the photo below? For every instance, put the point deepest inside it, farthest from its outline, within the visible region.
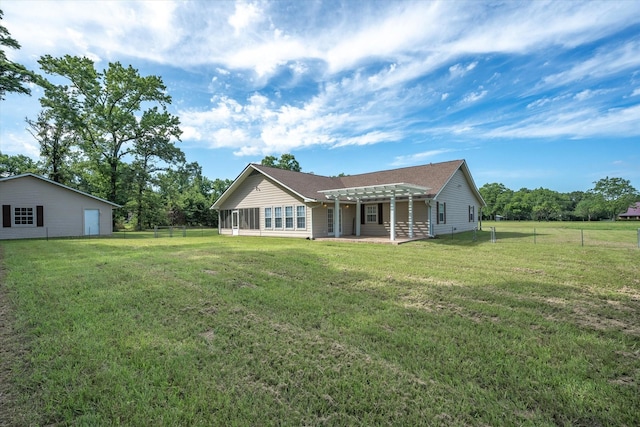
(362, 214)
(437, 212)
(445, 211)
(6, 215)
(40, 216)
(380, 214)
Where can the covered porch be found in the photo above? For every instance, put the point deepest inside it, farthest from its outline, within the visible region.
(390, 194)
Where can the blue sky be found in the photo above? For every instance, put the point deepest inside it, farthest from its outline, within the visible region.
(531, 94)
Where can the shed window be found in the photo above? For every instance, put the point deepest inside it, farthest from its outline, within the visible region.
(23, 216)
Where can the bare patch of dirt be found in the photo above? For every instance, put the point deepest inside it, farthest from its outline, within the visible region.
(10, 351)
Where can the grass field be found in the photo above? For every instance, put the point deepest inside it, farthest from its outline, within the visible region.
(218, 330)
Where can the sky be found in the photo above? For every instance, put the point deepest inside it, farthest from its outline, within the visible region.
(532, 94)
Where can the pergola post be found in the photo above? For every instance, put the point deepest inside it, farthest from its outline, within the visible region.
(392, 235)
(336, 218)
(410, 216)
(358, 216)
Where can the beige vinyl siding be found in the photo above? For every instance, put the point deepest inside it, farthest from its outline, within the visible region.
(63, 209)
(257, 191)
(420, 220)
(458, 196)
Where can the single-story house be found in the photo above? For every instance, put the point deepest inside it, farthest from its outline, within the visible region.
(412, 202)
(633, 213)
(36, 207)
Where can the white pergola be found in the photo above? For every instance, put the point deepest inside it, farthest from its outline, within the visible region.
(369, 192)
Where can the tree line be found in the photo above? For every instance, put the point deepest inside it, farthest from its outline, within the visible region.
(606, 200)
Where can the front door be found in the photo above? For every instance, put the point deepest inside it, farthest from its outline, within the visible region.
(235, 223)
(91, 222)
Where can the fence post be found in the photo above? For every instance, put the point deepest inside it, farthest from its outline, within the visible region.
(582, 236)
(493, 234)
(534, 235)
(155, 231)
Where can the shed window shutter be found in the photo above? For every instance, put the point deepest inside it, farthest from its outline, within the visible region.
(6, 215)
(362, 214)
(437, 212)
(40, 216)
(444, 209)
(380, 214)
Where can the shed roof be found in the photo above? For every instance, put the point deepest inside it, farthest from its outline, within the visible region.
(24, 175)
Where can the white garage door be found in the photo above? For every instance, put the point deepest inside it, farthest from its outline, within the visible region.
(91, 222)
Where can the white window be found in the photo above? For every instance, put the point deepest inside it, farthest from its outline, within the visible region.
(288, 216)
(277, 213)
(372, 214)
(23, 216)
(301, 217)
(267, 218)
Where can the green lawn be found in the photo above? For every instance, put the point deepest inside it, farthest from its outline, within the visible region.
(263, 331)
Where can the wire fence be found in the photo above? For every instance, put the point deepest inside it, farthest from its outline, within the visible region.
(166, 232)
(501, 233)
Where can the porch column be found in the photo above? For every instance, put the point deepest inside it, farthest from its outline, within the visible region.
(358, 216)
(336, 218)
(410, 216)
(392, 219)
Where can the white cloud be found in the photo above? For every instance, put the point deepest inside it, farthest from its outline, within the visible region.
(474, 96)
(581, 123)
(636, 92)
(417, 158)
(603, 63)
(244, 15)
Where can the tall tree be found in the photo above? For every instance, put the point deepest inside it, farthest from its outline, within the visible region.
(13, 76)
(56, 143)
(106, 110)
(491, 195)
(16, 165)
(153, 152)
(590, 207)
(617, 193)
(286, 161)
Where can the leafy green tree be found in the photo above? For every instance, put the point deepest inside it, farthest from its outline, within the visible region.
(56, 143)
(491, 195)
(286, 161)
(107, 111)
(545, 204)
(617, 193)
(153, 152)
(519, 206)
(16, 165)
(13, 76)
(591, 207)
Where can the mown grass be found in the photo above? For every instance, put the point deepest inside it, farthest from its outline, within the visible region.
(263, 331)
